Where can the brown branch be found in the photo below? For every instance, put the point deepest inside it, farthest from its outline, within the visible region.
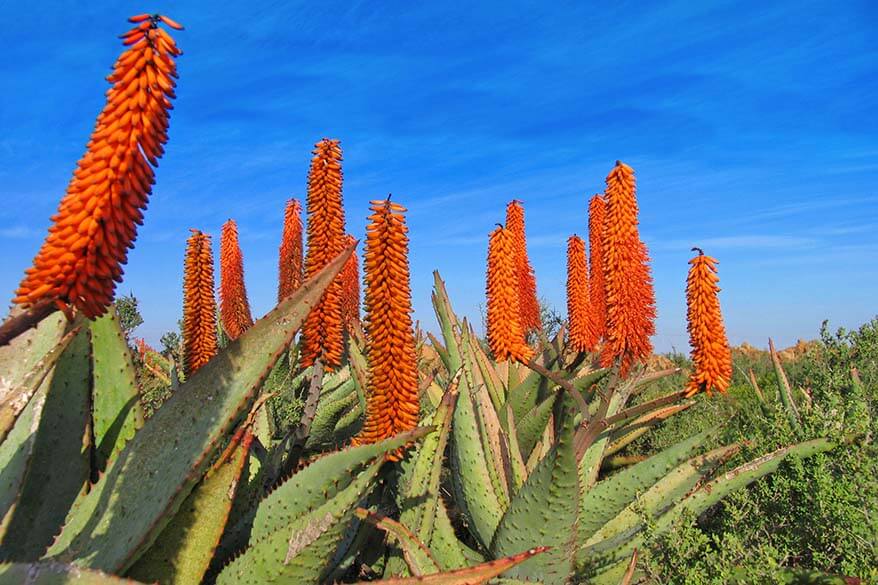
(646, 407)
(565, 384)
(18, 324)
(653, 376)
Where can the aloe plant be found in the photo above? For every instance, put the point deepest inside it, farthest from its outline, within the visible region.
(506, 475)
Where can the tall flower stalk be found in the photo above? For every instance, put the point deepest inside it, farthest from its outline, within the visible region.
(597, 213)
(199, 304)
(628, 283)
(711, 355)
(581, 335)
(234, 307)
(290, 273)
(505, 332)
(323, 329)
(350, 287)
(81, 259)
(392, 404)
(528, 305)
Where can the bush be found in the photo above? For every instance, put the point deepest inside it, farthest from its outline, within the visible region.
(815, 514)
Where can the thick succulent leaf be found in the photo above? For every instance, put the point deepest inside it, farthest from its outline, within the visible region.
(495, 444)
(668, 490)
(418, 492)
(334, 379)
(320, 481)
(28, 349)
(624, 436)
(16, 451)
(359, 370)
(476, 575)
(419, 484)
(610, 496)
(448, 551)
(511, 371)
(543, 513)
(439, 348)
(349, 424)
(431, 395)
(487, 375)
(517, 468)
(418, 558)
(328, 414)
(608, 552)
(182, 552)
(590, 464)
(15, 455)
(55, 574)
(143, 487)
(619, 573)
(300, 550)
(24, 364)
(584, 382)
(447, 323)
(116, 409)
(331, 393)
(523, 396)
(473, 486)
(712, 492)
(60, 463)
(530, 427)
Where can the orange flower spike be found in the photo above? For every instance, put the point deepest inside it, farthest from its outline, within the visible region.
(711, 355)
(81, 259)
(581, 336)
(199, 304)
(234, 307)
(505, 333)
(628, 283)
(528, 305)
(392, 404)
(323, 328)
(597, 211)
(290, 275)
(350, 287)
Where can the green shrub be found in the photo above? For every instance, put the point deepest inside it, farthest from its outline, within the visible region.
(815, 514)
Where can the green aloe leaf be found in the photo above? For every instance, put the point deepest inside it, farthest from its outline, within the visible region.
(116, 409)
(543, 513)
(56, 574)
(531, 425)
(418, 491)
(481, 573)
(182, 552)
(472, 481)
(24, 363)
(60, 463)
(524, 395)
(145, 485)
(319, 481)
(610, 496)
(604, 553)
(666, 491)
(299, 526)
(586, 381)
(330, 410)
(418, 558)
(447, 548)
(16, 401)
(447, 323)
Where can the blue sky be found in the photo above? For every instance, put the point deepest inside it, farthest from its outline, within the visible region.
(751, 126)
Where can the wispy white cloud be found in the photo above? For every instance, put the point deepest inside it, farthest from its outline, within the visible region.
(743, 242)
(18, 232)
